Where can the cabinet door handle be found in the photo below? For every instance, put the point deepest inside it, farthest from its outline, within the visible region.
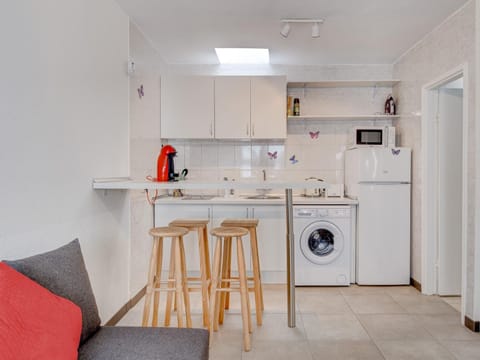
(211, 129)
(246, 132)
(209, 217)
(253, 213)
(247, 214)
(253, 129)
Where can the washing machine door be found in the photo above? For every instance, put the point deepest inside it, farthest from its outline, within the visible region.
(321, 242)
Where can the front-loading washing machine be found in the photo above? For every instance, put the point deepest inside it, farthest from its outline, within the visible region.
(323, 241)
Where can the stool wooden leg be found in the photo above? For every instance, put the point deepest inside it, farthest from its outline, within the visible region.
(229, 272)
(256, 276)
(214, 285)
(207, 255)
(246, 322)
(203, 277)
(224, 284)
(171, 274)
(186, 294)
(150, 283)
(158, 276)
(178, 282)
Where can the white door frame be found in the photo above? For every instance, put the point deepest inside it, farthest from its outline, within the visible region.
(430, 183)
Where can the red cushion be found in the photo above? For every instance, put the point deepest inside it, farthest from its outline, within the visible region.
(35, 323)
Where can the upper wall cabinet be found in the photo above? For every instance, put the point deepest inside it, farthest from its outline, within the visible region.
(224, 107)
(268, 107)
(232, 107)
(250, 107)
(187, 107)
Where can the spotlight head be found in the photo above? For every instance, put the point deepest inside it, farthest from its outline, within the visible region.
(315, 30)
(285, 30)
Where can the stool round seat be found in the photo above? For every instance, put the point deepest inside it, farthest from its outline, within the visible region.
(223, 231)
(189, 223)
(240, 222)
(168, 231)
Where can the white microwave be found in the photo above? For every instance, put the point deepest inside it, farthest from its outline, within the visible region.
(381, 136)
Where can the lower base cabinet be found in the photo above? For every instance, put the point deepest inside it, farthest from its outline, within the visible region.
(270, 233)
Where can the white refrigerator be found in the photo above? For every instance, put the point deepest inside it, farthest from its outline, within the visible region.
(379, 178)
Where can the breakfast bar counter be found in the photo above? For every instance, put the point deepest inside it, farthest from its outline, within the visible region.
(287, 186)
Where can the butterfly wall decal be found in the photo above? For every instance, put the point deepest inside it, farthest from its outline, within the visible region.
(272, 155)
(395, 152)
(140, 92)
(292, 159)
(314, 135)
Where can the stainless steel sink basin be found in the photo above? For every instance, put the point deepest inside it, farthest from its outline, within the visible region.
(264, 197)
(198, 197)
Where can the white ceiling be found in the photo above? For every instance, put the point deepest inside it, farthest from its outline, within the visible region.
(354, 32)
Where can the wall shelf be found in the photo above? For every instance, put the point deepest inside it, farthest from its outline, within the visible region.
(343, 83)
(343, 117)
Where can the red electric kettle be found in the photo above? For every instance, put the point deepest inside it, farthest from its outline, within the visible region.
(165, 166)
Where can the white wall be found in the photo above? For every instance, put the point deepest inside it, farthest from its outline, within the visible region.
(144, 148)
(448, 46)
(64, 121)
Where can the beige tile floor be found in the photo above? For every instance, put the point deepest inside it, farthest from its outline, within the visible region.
(342, 323)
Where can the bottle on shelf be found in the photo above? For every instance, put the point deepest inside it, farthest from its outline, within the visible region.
(296, 107)
(289, 106)
(390, 108)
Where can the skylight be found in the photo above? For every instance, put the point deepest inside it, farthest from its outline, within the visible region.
(242, 56)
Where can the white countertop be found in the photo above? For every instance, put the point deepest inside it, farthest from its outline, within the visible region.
(243, 200)
(130, 184)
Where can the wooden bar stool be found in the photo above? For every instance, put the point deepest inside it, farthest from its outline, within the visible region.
(224, 236)
(251, 226)
(200, 226)
(176, 277)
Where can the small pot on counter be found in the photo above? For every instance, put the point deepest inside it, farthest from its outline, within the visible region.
(314, 192)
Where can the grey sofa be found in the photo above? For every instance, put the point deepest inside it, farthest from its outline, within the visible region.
(63, 272)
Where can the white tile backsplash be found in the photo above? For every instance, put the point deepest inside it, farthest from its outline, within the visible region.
(243, 156)
(319, 155)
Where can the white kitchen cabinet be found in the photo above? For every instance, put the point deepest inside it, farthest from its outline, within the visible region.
(166, 213)
(268, 107)
(271, 242)
(232, 107)
(250, 107)
(187, 107)
(224, 107)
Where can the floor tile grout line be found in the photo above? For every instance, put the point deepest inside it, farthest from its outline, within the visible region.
(369, 335)
(306, 335)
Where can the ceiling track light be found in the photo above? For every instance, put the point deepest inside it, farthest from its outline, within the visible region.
(285, 30)
(315, 26)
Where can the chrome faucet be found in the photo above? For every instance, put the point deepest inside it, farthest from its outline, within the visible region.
(264, 174)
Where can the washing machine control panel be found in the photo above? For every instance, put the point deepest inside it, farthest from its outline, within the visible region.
(322, 212)
(306, 213)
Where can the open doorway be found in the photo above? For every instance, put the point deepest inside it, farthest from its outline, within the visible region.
(444, 200)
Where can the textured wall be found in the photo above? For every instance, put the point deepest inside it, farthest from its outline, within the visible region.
(448, 46)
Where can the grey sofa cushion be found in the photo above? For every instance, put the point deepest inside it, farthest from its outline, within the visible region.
(63, 272)
(132, 343)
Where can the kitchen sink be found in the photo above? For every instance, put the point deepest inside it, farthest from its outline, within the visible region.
(198, 197)
(263, 197)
